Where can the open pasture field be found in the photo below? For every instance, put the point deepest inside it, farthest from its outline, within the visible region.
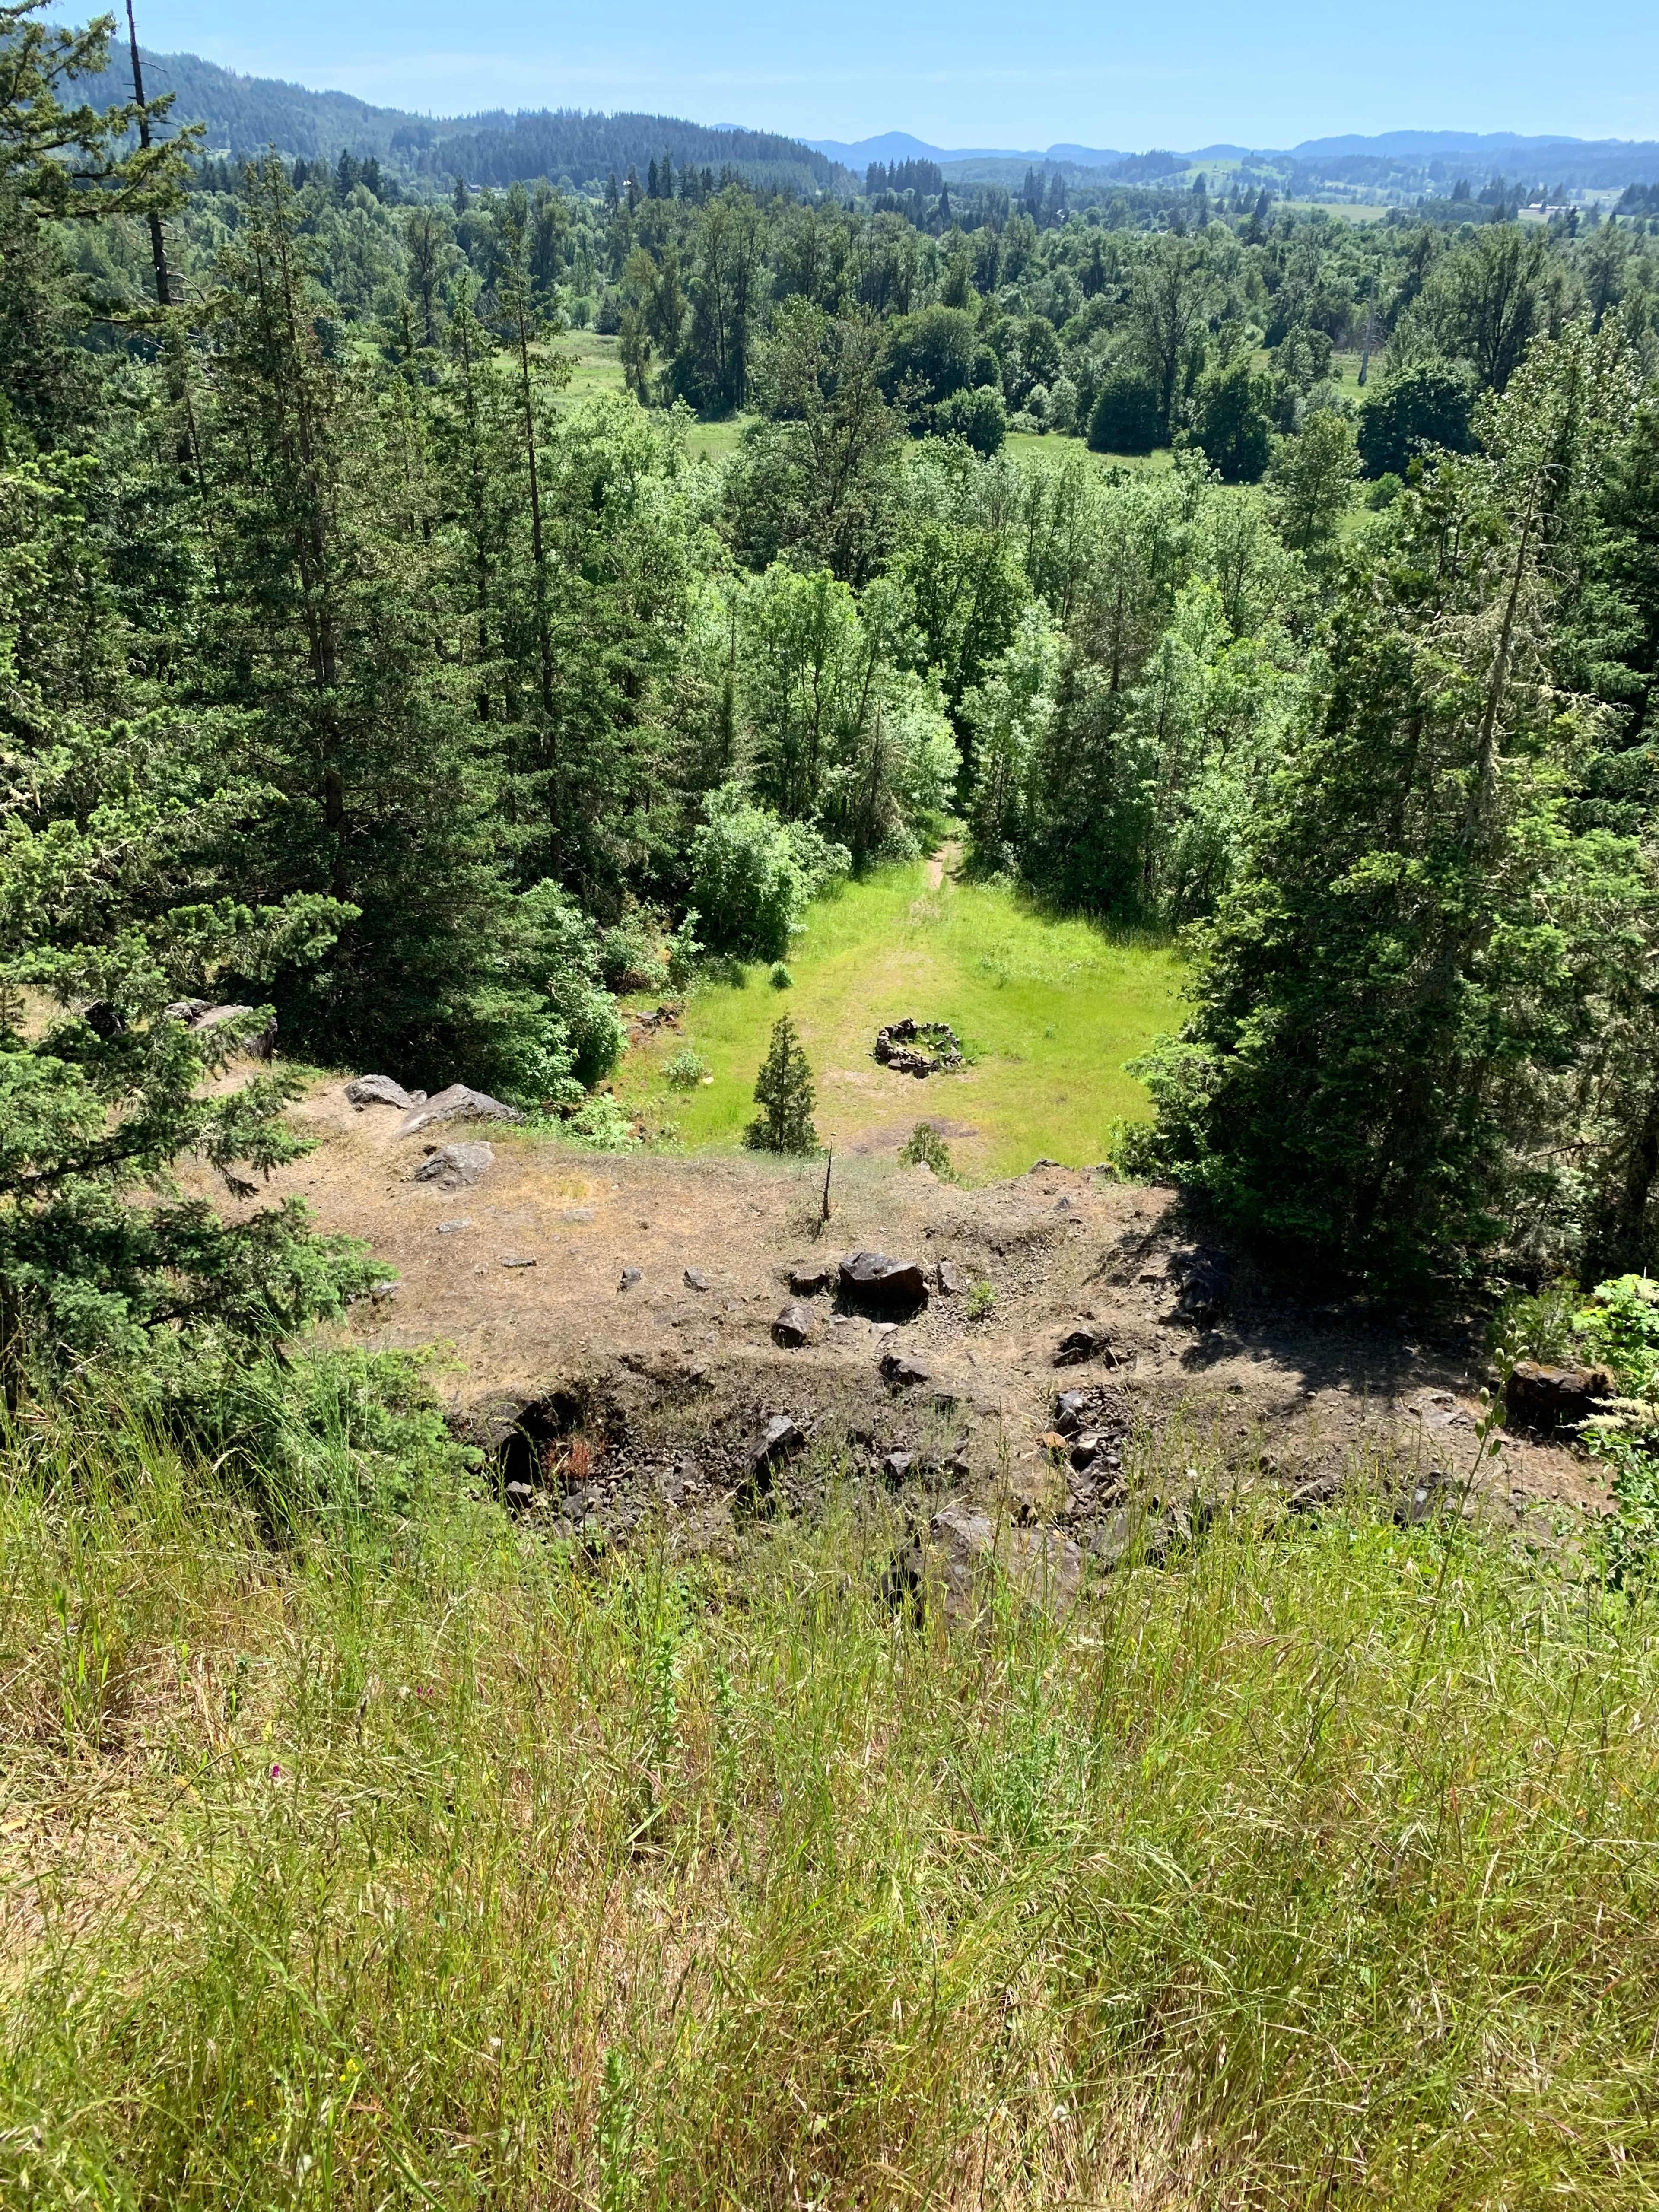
(1053, 1010)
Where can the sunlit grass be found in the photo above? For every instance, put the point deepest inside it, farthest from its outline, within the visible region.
(427, 1864)
(1052, 1009)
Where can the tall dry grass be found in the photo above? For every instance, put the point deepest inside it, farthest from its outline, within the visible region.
(427, 1865)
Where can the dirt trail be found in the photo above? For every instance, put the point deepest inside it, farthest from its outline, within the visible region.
(522, 1279)
(945, 861)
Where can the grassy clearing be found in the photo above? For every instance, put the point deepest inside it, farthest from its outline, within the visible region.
(430, 1866)
(1054, 1008)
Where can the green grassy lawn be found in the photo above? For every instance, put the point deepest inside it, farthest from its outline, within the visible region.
(1054, 1008)
(594, 364)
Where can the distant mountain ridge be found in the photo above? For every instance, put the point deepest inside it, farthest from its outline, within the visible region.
(243, 115)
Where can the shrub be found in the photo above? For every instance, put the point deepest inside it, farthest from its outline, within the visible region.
(779, 978)
(753, 876)
(979, 417)
(600, 1123)
(980, 1299)
(686, 1069)
(926, 1148)
(784, 1092)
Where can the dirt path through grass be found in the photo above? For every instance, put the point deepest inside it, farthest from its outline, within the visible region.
(1052, 1011)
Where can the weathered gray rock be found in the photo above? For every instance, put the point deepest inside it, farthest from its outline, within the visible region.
(1540, 1397)
(452, 1227)
(952, 1279)
(518, 1260)
(455, 1167)
(792, 1327)
(381, 1090)
(696, 1280)
(903, 1368)
(457, 1103)
(629, 1277)
(897, 1465)
(876, 1278)
(808, 1277)
(781, 1439)
(969, 1552)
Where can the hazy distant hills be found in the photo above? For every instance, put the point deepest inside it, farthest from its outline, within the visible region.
(243, 115)
(1396, 161)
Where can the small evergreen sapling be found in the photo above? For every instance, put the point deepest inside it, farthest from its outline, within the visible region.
(783, 1092)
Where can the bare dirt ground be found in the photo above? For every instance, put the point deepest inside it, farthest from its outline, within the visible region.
(635, 1296)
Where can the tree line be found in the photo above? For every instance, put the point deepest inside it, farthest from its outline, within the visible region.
(358, 672)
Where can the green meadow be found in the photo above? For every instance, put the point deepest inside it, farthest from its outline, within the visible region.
(1052, 1011)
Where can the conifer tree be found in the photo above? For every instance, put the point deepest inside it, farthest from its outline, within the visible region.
(784, 1092)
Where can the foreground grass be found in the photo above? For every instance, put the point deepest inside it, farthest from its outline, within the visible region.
(1056, 1009)
(433, 1867)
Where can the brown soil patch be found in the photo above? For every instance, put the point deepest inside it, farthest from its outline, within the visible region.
(1288, 1388)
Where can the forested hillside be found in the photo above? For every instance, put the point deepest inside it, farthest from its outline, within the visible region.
(1083, 1704)
(356, 669)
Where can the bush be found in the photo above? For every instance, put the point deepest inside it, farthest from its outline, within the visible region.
(979, 417)
(1128, 415)
(980, 1299)
(779, 978)
(753, 877)
(784, 1092)
(926, 1148)
(599, 1121)
(686, 1069)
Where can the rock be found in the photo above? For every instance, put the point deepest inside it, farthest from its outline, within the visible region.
(518, 1260)
(1540, 1397)
(808, 1277)
(903, 1368)
(781, 1439)
(1037, 1166)
(104, 1020)
(792, 1327)
(455, 1167)
(574, 1214)
(201, 1017)
(381, 1090)
(1206, 1287)
(629, 1277)
(969, 1550)
(460, 1221)
(457, 1103)
(876, 1278)
(695, 1279)
(1070, 1408)
(897, 1465)
(1085, 1344)
(952, 1279)
(918, 1049)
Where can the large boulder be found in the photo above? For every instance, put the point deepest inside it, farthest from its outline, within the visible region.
(380, 1091)
(1537, 1396)
(876, 1278)
(459, 1103)
(455, 1167)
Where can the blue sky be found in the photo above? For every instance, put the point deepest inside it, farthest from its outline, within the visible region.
(1146, 75)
